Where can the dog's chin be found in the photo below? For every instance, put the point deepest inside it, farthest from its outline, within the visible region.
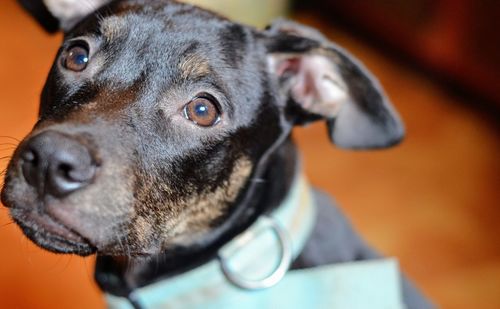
(53, 236)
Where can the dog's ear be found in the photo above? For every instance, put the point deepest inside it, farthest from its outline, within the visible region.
(55, 15)
(322, 81)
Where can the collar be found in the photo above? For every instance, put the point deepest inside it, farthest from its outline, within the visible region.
(249, 271)
(256, 259)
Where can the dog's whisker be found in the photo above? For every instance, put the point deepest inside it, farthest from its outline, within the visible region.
(52, 266)
(100, 17)
(67, 263)
(6, 224)
(127, 243)
(6, 158)
(87, 271)
(130, 263)
(8, 144)
(118, 238)
(10, 137)
(8, 149)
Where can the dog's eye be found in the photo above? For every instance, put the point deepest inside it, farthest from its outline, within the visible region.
(203, 111)
(76, 58)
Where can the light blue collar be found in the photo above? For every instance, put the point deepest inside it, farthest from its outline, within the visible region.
(256, 253)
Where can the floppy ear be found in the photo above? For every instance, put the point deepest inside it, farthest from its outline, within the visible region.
(54, 15)
(322, 81)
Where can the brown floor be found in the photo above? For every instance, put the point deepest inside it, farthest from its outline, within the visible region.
(432, 202)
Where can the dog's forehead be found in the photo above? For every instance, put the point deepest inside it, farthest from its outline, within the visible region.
(159, 19)
(163, 46)
(169, 31)
(158, 24)
(156, 31)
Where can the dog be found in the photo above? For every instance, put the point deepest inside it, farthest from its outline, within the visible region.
(164, 133)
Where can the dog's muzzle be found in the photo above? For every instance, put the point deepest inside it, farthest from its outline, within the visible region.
(46, 169)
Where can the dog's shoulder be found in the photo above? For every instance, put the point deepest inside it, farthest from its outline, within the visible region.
(333, 239)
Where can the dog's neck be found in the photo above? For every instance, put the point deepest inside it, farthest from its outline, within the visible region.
(121, 275)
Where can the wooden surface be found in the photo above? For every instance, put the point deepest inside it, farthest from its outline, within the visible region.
(432, 202)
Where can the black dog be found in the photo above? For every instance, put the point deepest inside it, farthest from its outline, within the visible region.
(164, 132)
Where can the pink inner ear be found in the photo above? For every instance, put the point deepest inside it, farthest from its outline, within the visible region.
(315, 83)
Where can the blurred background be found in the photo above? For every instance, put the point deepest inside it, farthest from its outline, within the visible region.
(432, 202)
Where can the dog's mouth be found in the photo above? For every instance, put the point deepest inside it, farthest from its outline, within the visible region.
(50, 234)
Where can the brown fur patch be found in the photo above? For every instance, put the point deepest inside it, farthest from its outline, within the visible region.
(112, 27)
(143, 228)
(108, 104)
(204, 209)
(185, 219)
(194, 66)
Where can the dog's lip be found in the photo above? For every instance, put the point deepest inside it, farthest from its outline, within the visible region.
(51, 227)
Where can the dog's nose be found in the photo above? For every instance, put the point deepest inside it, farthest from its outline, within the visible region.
(56, 164)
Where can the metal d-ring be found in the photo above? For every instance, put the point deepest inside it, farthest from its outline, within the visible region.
(278, 273)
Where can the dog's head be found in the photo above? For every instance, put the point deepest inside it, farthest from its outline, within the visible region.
(156, 116)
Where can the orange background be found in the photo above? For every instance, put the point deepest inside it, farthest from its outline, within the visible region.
(432, 202)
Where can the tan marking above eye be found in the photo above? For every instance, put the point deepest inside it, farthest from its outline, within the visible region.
(194, 66)
(113, 27)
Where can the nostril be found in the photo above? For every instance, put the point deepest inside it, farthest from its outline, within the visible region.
(29, 164)
(65, 178)
(75, 173)
(69, 170)
(64, 170)
(29, 156)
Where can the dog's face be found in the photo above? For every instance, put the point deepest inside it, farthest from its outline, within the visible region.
(155, 117)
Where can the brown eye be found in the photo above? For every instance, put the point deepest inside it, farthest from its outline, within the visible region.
(76, 58)
(202, 111)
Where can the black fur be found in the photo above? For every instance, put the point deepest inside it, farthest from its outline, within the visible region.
(157, 166)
